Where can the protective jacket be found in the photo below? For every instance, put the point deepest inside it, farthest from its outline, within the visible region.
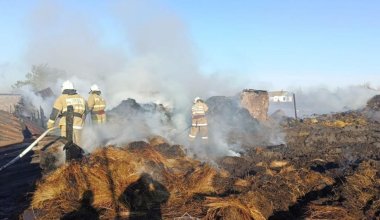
(69, 97)
(199, 121)
(97, 105)
(198, 112)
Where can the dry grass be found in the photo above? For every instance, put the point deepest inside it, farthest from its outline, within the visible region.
(278, 163)
(192, 185)
(231, 209)
(109, 171)
(316, 212)
(339, 121)
(361, 187)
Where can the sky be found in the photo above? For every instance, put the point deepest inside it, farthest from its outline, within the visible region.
(271, 44)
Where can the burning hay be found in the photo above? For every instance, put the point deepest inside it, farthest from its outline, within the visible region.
(358, 196)
(361, 192)
(321, 172)
(115, 175)
(319, 212)
(143, 180)
(339, 120)
(232, 209)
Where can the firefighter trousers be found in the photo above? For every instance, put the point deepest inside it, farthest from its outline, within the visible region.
(198, 129)
(98, 118)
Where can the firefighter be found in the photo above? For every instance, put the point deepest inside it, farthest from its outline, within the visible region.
(198, 120)
(96, 105)
(69, 97)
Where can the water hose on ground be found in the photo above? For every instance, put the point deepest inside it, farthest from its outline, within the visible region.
(27, 149)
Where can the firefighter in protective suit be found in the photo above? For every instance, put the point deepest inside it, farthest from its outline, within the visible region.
(69, 97)
(96, 105)
(199, 120)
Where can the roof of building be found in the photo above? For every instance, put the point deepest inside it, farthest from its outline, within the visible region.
(9, 94)
(279, 93)
(255, 91)
(45, 93)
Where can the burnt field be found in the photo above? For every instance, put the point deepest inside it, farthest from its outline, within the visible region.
(327, 168)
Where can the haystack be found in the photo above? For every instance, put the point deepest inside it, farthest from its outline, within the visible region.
(110, 173)
(319, 212)
(145, 180)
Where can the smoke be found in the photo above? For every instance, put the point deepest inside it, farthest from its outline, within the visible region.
(4, 77)
(323, 100)
(32, 99)
(129, 122)
(373, 115)
(159, 62)
(154, 60)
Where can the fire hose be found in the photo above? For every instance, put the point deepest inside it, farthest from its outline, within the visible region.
(27, 149)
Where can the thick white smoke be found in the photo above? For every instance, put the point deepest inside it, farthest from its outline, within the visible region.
(160, 64)
(5, 79)
(154, 61)
(323, 100)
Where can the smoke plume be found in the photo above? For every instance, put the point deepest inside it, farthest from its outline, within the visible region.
(155, 61)
(323, 100)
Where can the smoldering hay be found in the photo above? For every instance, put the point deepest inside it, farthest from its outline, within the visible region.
(314, 176)
(154, 180)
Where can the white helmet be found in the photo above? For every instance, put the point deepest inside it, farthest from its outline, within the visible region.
(196, 99)
(67, 85)
(94, 88)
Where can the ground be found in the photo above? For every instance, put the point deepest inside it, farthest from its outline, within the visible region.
(327, 168)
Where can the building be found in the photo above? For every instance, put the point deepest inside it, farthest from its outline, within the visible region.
(9, 102)
(280, 96)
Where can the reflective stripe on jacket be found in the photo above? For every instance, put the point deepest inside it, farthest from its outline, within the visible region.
(79, 105)
(96, 103)
(198, 112)
(199, 109)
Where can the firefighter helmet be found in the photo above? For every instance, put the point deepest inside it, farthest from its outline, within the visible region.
(94, 88)
(67, 85)
(196, 99)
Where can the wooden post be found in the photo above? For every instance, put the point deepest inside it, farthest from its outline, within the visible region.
(295, 106)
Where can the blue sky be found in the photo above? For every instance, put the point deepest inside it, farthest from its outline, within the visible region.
(280, 43)
(323, 37)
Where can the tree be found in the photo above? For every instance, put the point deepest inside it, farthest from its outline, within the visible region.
(40, 77)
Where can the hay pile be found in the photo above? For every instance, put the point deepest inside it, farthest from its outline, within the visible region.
(338, 120)
(361, 192)
(157, 180)
(319, 212)
(111, 174)
(357, 198)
